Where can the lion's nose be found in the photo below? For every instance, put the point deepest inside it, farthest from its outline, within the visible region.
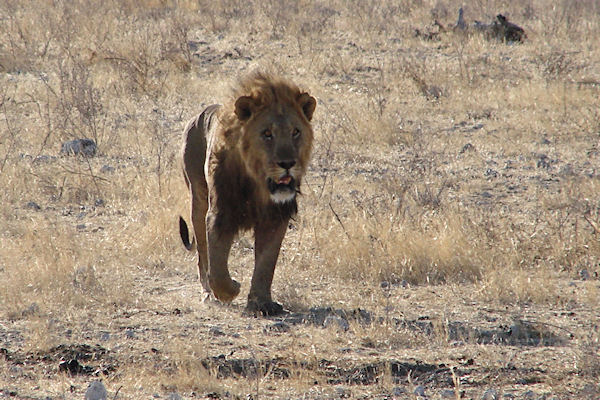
(286, 164)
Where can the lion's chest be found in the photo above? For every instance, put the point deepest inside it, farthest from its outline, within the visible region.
(239, 207)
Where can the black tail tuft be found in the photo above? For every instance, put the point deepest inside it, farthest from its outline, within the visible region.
(185, 234)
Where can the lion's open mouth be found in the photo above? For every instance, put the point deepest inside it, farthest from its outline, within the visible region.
(286, 183)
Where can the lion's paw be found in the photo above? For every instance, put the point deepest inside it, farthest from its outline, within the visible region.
(266, 308)
(225, 291)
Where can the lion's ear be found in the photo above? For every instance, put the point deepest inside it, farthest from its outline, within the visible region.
(244, 106)
(308, 104)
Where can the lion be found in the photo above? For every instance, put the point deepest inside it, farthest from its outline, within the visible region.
(243, 164)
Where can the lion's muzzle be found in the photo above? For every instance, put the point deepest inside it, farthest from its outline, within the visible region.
(282, 189)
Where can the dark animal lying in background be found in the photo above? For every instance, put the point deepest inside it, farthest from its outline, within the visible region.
(499, 29)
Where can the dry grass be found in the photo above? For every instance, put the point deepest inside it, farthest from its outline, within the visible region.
(453, 179)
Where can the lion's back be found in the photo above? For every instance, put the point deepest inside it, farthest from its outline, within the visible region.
(197, 136)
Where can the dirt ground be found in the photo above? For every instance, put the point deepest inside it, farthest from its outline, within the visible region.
(447, 244)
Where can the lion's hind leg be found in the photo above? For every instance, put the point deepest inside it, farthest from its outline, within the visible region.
(198, 214)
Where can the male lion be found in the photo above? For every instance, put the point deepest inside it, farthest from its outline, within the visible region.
(243, 164)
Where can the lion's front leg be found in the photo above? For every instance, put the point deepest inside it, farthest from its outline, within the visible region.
(267, 242)
(219, 243)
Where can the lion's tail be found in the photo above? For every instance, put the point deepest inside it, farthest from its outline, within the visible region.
(185, 235)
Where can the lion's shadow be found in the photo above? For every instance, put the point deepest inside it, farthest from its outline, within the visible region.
(518, 333)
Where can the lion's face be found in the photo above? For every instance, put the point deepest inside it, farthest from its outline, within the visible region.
(276, 143)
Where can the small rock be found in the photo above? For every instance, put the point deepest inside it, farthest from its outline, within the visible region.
(99, 203)
(490, 394)
(543, 162)
(279, 327)
(567, 170)
(448, 394)
(31, 310)
(343, 393)
(44, 159)
(215, 331)
(104, 336)
(32, 205)
(84, 147)
(96, 391)
(420, 391)
(398, 391)
(491, 173)
(130, 334)
(107, 169)
(584, 275)
(193, 45)
(433, 92)
(335, 321)
(467, 147)
(529, 395)
(174, 396)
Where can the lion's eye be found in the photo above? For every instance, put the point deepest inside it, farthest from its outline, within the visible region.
(296, 133)
(266, 134)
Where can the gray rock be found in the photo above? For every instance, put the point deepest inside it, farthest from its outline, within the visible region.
(584, 275)
(31, 310)
(335, 321)
(491, 173)
(96, 391)
(467, 147)
(107, 169)
(216, 331)
(399, 391)
(279, 327)
(490, 394)
(44, 159)
(543, 161)
(84, 147)
(530, 395)
(343, 393)
(420, 391)
(32, 205)
(174, 396)
(448, 394)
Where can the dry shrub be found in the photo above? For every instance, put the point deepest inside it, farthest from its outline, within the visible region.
(510, 284)
(45, 265)
(426, 247)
